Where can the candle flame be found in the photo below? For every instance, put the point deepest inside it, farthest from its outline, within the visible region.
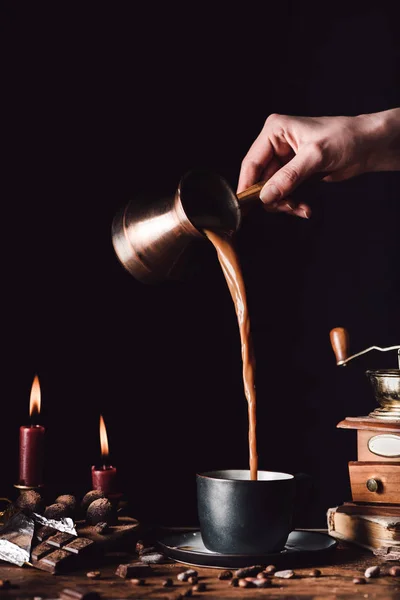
(35, 400)
(103, 438)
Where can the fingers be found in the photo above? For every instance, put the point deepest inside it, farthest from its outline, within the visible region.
(286, 179)
(255, 162)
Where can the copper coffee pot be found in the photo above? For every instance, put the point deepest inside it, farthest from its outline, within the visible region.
(150, 238)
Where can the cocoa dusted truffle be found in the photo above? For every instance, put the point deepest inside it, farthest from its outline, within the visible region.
(100, 510)
(31, 501)
(69, 501)
(56, 511)
(90, 497)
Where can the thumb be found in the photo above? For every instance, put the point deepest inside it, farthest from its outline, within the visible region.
(284, 181)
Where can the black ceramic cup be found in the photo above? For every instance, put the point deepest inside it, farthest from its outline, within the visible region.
(240, 516)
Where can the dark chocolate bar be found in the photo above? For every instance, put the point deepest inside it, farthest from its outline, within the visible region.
(44, 532)
(79, 545)
(55, 562)
(40, 551)
(60, 539)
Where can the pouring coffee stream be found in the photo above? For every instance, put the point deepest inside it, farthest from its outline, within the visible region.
(150, 240)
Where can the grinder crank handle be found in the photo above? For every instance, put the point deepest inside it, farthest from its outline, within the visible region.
(340, 343)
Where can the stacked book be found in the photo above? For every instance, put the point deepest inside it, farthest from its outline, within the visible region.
(371, 526)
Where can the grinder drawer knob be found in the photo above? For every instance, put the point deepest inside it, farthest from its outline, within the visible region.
(373, 485)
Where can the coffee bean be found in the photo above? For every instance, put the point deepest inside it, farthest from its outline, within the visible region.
(234, 582)
(262, 582)
(137, 581)
(270, 570)
(200, 587)
(394, 571)
(359, 580)
(225, 575)
(5, 584)
(193, 579)
(93, 574)
(245, 583)
(101, 527)
(287, 574)
(314, 573)
(249, 571)
(372, 572)
(184, 576)
(167, 582)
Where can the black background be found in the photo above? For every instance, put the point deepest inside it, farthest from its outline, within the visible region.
(106, 101)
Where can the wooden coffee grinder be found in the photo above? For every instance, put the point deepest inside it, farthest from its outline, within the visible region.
(375, 476)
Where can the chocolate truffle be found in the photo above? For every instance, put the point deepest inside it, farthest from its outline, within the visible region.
(56, 511)
(30, 501)
(69, 501)
(90, 497)
(100, 510)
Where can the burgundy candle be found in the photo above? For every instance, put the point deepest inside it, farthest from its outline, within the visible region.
(104, 477)
(31, 444)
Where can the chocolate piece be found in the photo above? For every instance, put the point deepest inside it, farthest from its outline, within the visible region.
(153, 558)
(100, 510)
(30, 501)
(133, 570)
(60, 539)
(44, 532)
(41, 550)
(90, 497)
(79, 545)
(56, 511)
(55, 561)
(78, 594)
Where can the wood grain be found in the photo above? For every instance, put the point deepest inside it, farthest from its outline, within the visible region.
(336, 581)
(386, 473)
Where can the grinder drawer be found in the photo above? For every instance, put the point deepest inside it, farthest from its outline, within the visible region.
(375, 481)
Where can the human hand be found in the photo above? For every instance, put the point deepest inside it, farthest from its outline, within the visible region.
(289, 150)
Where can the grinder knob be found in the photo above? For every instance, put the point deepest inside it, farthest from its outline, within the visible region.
(340, 343)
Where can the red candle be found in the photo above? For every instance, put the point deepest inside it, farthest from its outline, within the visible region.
(31, 443)
(104, 477)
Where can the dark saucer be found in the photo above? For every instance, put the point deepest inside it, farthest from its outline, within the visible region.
(302, 548)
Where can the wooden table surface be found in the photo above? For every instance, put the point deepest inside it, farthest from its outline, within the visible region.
(336, 581)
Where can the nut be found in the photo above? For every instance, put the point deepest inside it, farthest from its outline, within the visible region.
(286, 574)
(93, 574)
(359, 580)
(314, 573)
(224, 575)
(372, 571)
(394, 571)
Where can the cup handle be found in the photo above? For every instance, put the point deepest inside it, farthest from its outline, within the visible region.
(303, 497)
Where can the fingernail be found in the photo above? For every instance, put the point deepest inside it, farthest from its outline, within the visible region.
(289, 206)
(269, 193)
(305, 214)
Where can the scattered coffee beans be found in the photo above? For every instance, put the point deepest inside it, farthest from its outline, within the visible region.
(234, 582)
(249, 571)
(372, 572)
(193, 579)
(394, 571)
(167, 582)
(359, 580)
(262, 582)
(225, 575)
(314, 573)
